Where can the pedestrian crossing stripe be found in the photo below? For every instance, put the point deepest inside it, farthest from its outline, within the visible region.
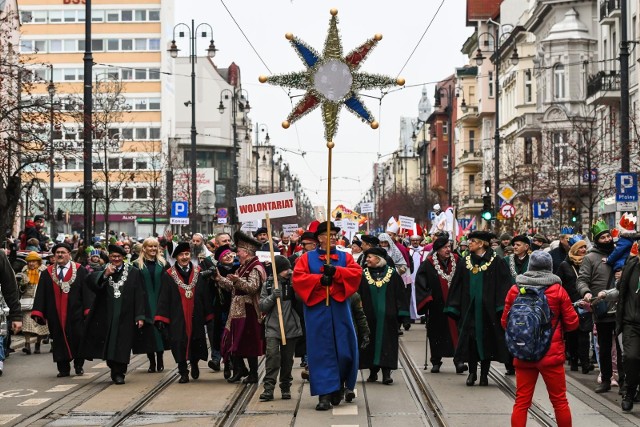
(61, 387)
(85, 376)
(34, 402)
(7, 418)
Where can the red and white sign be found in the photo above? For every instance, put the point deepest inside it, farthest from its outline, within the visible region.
(277, 205)
(508, 210)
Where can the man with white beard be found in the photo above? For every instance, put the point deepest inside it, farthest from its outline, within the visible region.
(416, 252)
(199, 250)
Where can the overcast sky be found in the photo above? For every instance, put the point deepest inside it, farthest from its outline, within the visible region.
(401, 23)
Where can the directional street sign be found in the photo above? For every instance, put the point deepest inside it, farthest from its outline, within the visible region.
(626, 187)
(542, 208)
(507, 193)
(179, 209)
(507, 210)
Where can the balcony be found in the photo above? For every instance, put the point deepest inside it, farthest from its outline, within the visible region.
(470, 159)
(529, 125)
(470, 117)
(604, 88)
(609, 12)
(470, 202)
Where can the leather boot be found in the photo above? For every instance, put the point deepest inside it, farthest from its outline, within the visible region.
(386, 376)
(266, 395)
(253, 371)
(239, 370)
(628, 399)
(152, 362)
(337, 396)
(484, 373)
(160, 363)
(324, 402)
(461, 367)
(473, 374)
(373, 375)
(435, 368)
(603, 387)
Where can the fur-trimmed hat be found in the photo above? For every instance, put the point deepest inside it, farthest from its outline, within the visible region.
(180, 248)
(372, 240)
(322, 228)
(61, 245)
(521, 238)
(261, 230)
(440, 243)
(482, 235)
(377, 251)
(308, 235)
(244, 241)
(222, 251)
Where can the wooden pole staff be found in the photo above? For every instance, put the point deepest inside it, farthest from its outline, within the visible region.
(330, 145)
(275, 281)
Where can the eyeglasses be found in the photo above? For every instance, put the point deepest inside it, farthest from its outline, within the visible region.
(308, 243)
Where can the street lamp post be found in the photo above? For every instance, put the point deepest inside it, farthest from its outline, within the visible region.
(211, 52)
(496, 63)
(87, 146)
(266, 140)
(448, 92)
(239, 99)
(52, 91)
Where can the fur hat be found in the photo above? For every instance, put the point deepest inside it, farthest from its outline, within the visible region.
(372, 240)
(379, 252)
(261, 230)
(180, 248)
(482, 235)
(116, 249)
(540, 260)
(520, 238)
(244, 241)
(440, 243)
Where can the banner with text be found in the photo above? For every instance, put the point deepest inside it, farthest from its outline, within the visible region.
(406, 222)
(289, 229)
(277, 205)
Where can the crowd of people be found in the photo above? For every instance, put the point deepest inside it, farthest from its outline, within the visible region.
(339, 306)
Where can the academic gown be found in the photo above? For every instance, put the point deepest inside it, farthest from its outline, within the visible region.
(383, 305)
(63, 312)
(476, 301)
(332, 345)
(432, 292)
(111, 322)
(186, 317)
(149, 339)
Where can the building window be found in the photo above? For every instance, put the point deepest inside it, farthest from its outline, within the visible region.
(141, 133)
(127, 193)
(57, 193)
(559, 149)
(472, 140)
(528, 86)
(141, 165)
(472, 185)
(69, 193)
(528, 150)
(114, 163)
(558, 82)
(154, 133)
(114, 193)
(491, 84)
(445, 128)
(127, 164)
(154, 15)
(127, 15)
(126, 133)
(141, 193)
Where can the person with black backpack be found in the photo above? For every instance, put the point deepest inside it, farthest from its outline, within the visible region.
(538, 307)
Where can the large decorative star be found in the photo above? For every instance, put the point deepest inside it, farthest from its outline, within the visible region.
(331, 80)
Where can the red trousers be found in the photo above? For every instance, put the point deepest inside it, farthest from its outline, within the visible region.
(555, 380)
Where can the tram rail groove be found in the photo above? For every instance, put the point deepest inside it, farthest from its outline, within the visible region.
(423, 393)
(240, 400)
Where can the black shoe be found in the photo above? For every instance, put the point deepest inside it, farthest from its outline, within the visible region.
(184, 378)
(574, 366)
(337, 396)
(587, 368)
(471, 379)
(151, 369)
(266, 396)
(252, 378)
(214, 365)
(227, 370)
(62, 374)
(435, 369)
(484, 380)
(324, 402)
(386, 377)
(373, 377)
(118, 379)
(26, 350)
(195, 371)
(349, 395)
(604, 387)
(461, 368)
(627, 403)
(406, 326)
(285, 394)
(238, 375)
(79, 370)
(160, 364)
(400, 332)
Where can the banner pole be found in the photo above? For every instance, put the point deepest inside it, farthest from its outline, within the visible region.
(275, 281)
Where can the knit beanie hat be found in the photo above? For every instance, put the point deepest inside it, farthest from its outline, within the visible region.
(540, 260)
(282, 264)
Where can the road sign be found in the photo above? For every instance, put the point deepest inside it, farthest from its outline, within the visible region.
(626, 187)
(542, 208)
(627, 206)
(222, 220)
(507, 210)
(222, 212)
(179, 209)
(507, 193)
(179, 221)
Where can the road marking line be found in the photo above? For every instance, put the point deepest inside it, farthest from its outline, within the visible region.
(85, 376)
(33, 402)
(102, 365)
(345, 425)
(61, 387)
(7, 418)
(345, 410)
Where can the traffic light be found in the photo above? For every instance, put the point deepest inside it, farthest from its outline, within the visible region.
(487, 213)
(573, 214)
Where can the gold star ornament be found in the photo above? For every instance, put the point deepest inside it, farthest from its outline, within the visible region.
(331, 80)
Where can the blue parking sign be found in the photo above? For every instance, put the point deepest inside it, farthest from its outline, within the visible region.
(626, 187)
(542, 208)
(179, 209)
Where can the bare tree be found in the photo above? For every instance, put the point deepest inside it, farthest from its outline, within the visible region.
(155, 180)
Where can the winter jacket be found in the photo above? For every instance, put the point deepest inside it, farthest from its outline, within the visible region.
(561, 307)
(9, 288)
(558, 255)
(568, 274)
(628, 312)
(595, 274)
(268, 306)
(619, 255)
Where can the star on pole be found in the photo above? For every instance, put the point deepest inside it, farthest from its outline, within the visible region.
(331, 80)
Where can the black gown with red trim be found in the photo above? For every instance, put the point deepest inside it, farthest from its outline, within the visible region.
(185, 317)
(63, 312)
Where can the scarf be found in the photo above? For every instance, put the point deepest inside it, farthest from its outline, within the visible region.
(537, 278)
(573, 252)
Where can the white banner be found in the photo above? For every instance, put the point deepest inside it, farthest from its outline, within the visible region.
(289, 229)
(265, 256)
(251, 225)
(179, 221)
(406, 222)
(366, 207)
(277, 205)
(350, 226)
